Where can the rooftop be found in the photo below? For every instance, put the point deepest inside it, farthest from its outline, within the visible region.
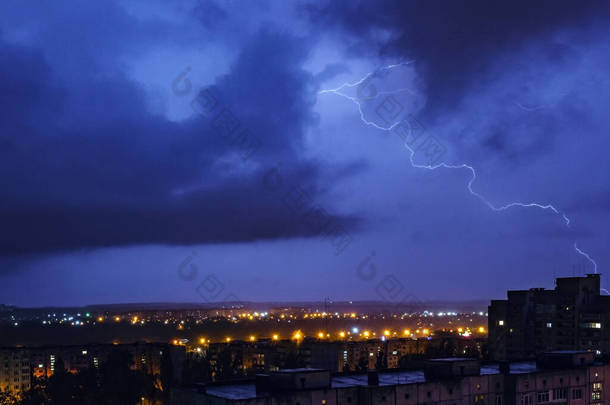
(452, 360)
(299, 370)
(248, 390)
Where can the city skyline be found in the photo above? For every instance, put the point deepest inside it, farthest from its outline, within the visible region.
(218, 151)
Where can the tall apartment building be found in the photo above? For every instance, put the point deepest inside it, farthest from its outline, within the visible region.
(559, 377)
(573, 316)
(15, 372)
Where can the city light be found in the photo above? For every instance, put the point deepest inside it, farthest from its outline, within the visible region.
(407, 332)
(252, 338)
(386, 332)
(321, 335)
(342, 334)
(275, 337)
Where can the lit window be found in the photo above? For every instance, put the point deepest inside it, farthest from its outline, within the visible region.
(501, 323)
(549, 325)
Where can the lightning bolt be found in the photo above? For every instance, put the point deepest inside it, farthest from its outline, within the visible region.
(463, 166)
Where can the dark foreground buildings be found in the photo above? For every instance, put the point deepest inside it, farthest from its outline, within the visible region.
(573, 316)
(21, 367)
(556, 378)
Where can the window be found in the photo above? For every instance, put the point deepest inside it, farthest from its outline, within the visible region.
(560, 393)
(577, 393)
(501, 323)
(498, 399)
(549, 325)
(542, 396)
(596, 395)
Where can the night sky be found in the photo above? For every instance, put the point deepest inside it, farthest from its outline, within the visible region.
(192, 151)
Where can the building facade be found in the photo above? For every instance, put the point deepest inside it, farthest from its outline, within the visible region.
(15, 371)
(558, 377)
(572, 316)
(20, 366)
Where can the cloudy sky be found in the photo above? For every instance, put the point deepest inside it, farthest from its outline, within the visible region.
(271, 150)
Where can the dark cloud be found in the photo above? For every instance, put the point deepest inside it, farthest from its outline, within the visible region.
(90, 165)
(454, 43)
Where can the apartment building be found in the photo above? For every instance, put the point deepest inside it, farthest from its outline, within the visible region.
(567, 377)
(573, 316)
(15, 371)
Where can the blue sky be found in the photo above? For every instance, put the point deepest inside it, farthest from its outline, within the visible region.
(112, 180)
